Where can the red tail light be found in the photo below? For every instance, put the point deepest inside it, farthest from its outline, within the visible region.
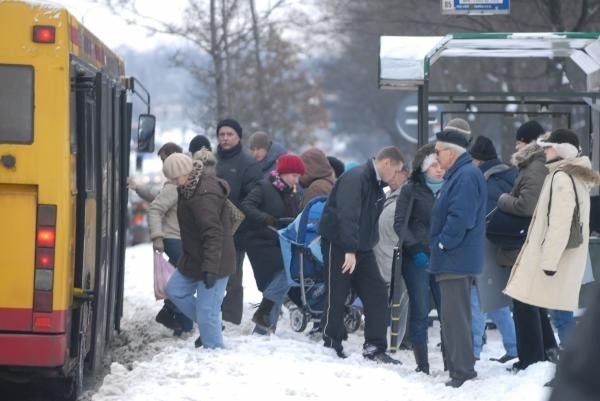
(44, 259)
(44, 34)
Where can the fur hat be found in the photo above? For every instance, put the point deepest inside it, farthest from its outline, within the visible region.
(564, 141)
(483, 149)
(199, 142)
(259, 140)
(230, 122)
(529, 131)
(290, 164)
(177, 165)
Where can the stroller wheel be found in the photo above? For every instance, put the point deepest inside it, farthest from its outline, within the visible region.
(352, 319)
(298, 319)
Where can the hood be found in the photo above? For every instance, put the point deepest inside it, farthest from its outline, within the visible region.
(208, 160)
(276, 150)
(317, 166)
(580, 168)
(527, 154)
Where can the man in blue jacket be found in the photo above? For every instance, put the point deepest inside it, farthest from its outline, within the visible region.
(457, 244)
(349, 231)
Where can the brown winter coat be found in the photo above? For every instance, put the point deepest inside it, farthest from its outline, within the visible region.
(318, 179)
(547, 238)
(531, 162)
(205, 225)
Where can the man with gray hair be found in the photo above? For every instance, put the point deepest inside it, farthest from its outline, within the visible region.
(457, 244)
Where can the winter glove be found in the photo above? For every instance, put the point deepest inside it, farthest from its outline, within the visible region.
(284, 222)
(209, 280)
(549, 273)
(158, 245)
(420, 259)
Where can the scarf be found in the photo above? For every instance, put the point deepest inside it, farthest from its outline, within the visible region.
(286, 192)
(187, 190)
(433, 184)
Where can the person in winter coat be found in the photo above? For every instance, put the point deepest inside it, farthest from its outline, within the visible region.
(577, 371)
(271, 204)
(548, 271)
(208, 256)
(349, 231)
(241, 172)
(265, 151)
(457, 243)
(337, 165)
(199, 142)
(164, 232)
(500, 179)
(535, 337)
(425, 182)
(319, 177)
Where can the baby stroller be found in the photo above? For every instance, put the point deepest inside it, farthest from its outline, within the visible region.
(303, 264)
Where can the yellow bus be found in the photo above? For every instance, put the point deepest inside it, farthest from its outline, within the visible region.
(65, 131)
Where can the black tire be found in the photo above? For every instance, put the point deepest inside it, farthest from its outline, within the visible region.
(298, 320)
(352, 319)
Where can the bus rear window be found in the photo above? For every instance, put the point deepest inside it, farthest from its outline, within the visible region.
(16, 104)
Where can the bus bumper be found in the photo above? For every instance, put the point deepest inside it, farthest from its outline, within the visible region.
(36, 350)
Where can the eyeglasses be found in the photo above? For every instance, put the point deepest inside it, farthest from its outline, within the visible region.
(438, 151)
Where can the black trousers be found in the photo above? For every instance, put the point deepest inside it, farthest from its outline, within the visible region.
(534, 333)
(370, 287)
(233, 303)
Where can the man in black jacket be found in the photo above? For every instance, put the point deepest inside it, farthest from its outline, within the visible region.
(242, 172)
(349, 231)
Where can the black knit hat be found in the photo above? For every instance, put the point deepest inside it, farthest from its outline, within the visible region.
(453, 137)
(483, 149)
(529, 131)
(230, 122)
(337, 165)
(199, 142)
(562, 135)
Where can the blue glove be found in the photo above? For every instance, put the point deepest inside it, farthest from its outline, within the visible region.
(421, 259)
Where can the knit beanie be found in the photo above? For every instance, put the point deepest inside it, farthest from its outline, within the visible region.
(529, 131)
(457, 131)
(564, 141)
(337, 165)
(177, 165)
(259, 140)
(199, 142)
(290, 164)
(483, 149)
(230, 122)
(459, 125)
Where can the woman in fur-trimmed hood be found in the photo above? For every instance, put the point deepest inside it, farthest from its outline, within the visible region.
(546, 273)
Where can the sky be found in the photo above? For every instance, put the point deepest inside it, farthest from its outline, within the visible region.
(114, 31)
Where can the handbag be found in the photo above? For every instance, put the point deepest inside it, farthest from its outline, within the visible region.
(163, 271)
(237, 216)
(508, 231)
(576, 230)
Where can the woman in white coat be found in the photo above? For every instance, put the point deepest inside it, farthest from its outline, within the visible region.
(550, 266)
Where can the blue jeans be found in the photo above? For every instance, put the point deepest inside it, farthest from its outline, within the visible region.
(419, 283)
(564, 323)
(503, 320)
(276, 292)
(204, 308)
(173, 251)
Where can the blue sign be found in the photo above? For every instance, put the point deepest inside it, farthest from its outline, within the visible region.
(500, 6)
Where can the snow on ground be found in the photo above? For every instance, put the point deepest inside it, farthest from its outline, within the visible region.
(151, 364)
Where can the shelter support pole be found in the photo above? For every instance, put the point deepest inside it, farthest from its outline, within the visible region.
(423, 115)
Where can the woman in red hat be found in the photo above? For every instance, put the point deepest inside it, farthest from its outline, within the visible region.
(273, 203)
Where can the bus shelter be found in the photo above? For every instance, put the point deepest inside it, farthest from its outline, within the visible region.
(497, 81)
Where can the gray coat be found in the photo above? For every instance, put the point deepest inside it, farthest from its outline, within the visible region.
(388, 239)
(523, 198)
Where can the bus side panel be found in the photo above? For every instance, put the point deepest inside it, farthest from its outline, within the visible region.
(18, 205)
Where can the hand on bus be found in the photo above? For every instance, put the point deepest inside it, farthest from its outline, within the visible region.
(349, 263)
(131, 183)
(158, 245)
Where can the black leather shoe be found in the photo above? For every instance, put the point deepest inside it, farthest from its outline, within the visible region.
(198, 342)
(456, 383)
(504, 358)
(382, 357)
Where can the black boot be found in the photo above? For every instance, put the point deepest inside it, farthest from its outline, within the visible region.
(421, 357)
(262, 316)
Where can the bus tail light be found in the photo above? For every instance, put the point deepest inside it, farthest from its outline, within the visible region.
(44, 34)
(45, 242)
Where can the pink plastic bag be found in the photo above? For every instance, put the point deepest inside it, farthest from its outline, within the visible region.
(162, 273)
